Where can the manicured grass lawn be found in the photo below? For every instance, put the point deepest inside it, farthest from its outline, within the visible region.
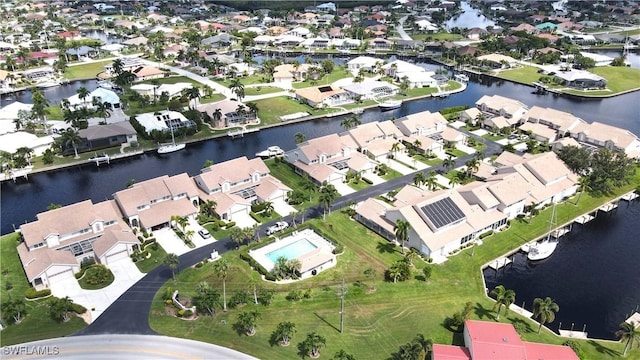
(245, 80)
(54, 112)
(391, 174)
(375, 323)
(262, 90)
(37, 324)
(85, 285)
(85, 71)
(415, 92)
(337, 74)
(270, 110)
(619, 78)
(360, 185)
(154, 260)
(172, 80)
(493, 137)
(213, 98)
(445, 36)
(456, 153)
(284, 173)
(524, 74)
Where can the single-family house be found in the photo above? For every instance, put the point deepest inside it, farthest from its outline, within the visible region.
(376, 139)
(373, 89)
(581, 79)
(103, 136)
(363, 62)
(321, 96)
(150, 204)
(163, 120)
(560, 121)
(231, 113)
(11, 142)
(147, 73)
(100, 95)
(498, 61)
(236, 184)
(59, 240)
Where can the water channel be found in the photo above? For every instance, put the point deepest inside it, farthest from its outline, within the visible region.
(612, 262)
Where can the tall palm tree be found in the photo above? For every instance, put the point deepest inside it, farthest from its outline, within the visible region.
(172, 261)
(221, 268)
(350, 122)
(402, 229)
(118, 66)
(472, 166)
(253, 107)
(545, 310)
(454, 181)
(449, 163)
(237, 88)
(430, 181)
(419, 179)
(209, 207)
(328, 194)
(312, 344)
(40, 104)
(503, 297)
(395, 147)
(83, 94)
(629, 332)
(71, 137)
(308, 186)
(102, 109)
(193, 93)
(217, 115)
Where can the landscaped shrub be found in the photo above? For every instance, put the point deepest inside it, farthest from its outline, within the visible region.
(147, 242)
(199, 265)
(97, 274)
(168, 302)
(367, 181)
(31, 293)
(484, 235)
(180, 313)
(256, 208)
(187, 313)
(295, 295)
(240, 297)
(255, 217)
(338, 249)
(78, 309)
(255, 265)
(230, 224)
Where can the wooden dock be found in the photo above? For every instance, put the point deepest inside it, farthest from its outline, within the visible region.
(608, 207)
(499, 263)
(557, 233)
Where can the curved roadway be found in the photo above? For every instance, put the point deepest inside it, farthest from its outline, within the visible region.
(121, 347)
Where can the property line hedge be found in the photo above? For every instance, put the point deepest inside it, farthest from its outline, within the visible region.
(31, 293)
(244, 255)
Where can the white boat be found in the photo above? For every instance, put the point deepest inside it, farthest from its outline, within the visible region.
(461, 78)
(99, 159)
(171, 147)
(542, 250)
(270, 152)
(390, 104)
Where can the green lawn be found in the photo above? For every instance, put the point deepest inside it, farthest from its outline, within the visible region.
(357, 186)
(261, 90)
(37, 324)
(284, 172)
(525, 74)
(391, 174)
(157, 255)
(85, 285)
(270, 110)
(619, 78)
(375, 323)
(443, 36)
(85, 71)
(244, 80)
(54, 112)
(337, 74)
(172, 80)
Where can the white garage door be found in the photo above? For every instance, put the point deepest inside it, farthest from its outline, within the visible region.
(60, 276)
(117, 256)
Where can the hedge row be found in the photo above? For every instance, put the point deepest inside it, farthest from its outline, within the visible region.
(78, 309)
(254, 264)
(255, 217)
(259, 207)
(484, 235)
(367, 181)
(32, 293)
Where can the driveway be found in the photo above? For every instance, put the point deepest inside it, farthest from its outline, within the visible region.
(281, 207)
(343, 189)
(243, 220)
(170, 241)
(197, 239)
(125, 274)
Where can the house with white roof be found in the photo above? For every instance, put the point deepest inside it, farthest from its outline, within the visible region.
(9, 113)
(60, 240)
(236, 184)
(10, 142)
(581, 79)
(100, 94)
(230, 114)
(424, 130)
(150, 204)
(172, 90)
(329, 158)
(416, 75)
(372, 89)
(367, 63)
(560, 121)
(163, 121)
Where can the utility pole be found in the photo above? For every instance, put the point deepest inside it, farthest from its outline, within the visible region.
(343, 292)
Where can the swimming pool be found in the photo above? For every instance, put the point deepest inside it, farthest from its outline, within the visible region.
(292, 251)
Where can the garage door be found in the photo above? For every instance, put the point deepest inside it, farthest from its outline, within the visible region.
(60, 276)
(117, 256)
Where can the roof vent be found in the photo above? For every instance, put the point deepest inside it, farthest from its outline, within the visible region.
(504, 339)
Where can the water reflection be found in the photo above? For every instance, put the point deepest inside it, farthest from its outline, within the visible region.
(469, 18)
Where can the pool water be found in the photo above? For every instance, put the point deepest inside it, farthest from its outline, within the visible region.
(292, 251)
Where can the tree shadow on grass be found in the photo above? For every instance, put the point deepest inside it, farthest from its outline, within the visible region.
(237, 327)
(520, 325)
(603, 350)
(386, 247)
(481, 312)
(325, 321)
(457, 339)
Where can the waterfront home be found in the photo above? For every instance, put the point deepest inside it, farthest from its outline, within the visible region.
(232, 113)
(370, 90)
(149, 205)
(423, 130)
(497, 105)
(129, 63)
(147, 73)
(163, 121)
(560, 121)
(602, 135)
(171, 90)
(291, 72)
(321, 96)
(363, 62)
(39, 75)
(580, 79)
(11, 142)
(10, 113)
(376, 139)
(100, 95)
(236, 184)
(499, 123)
(485, 340)
(539, 132)
(103, 136)
(329, 158)
(470, 115)
(440, 222)
(416, 75)
(60, 240)
(219, 40)
(498, 61)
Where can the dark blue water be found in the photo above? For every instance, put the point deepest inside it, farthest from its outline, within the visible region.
(469, 18)
(53, 94)
(592, 275)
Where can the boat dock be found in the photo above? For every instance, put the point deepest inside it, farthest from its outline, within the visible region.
(573, 334)
(499, 263)
(634, 319)
(241, 132)
(557, 233)
(100, 159)
(630, 196)
(583, 219)
(608, 207)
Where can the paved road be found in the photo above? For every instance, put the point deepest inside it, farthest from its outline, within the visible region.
(201, 79)
(403, 34)
(122, 347)
(129, 314)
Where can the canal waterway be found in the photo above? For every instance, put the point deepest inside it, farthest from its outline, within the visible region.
(592, 275)
(469, 18)
(21, 201)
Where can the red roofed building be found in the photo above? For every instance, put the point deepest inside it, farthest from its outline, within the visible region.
(485, 340)
(69, 34)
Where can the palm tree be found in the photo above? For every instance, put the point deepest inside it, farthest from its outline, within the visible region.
(247, 321)
(253, 107)
(419, 179)
(40, 104)
(268, 208)
(83, 93)
(118, 66)
(395, 147)
(221, 268)
(300, 137)
(584, 186)
(628, 332)
(343, 355)
(308, 186)
(472, 166)
(545, 310)
(454, 181)
(24, 153)
(193, 93)
(102, 109)
(417, 144)
(209, 208)
(283, 332)
(328, 194)
(430, 181)
(71, 137)
(172, 261)
(407, 351)
(402, 232)
(312, 344)
(350, 122)
(237, 88)
(503, 297)
(449, 163)
(217, 115)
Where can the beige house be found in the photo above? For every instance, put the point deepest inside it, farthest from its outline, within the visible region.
(376, 139)
(150, 204)
(610, 137)
(329, 158)
(425, 129)
(497, 105)
(236, 184)
(560, 121)
(539, 132)
(321, 96)
(59, 240)
(232, 113)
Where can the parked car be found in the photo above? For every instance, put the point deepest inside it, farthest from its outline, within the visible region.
(279, 226)
(204, 233)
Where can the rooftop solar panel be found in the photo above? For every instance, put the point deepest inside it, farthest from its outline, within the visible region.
(443, 212)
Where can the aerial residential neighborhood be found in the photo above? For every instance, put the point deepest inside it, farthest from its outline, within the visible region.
(362, 180)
